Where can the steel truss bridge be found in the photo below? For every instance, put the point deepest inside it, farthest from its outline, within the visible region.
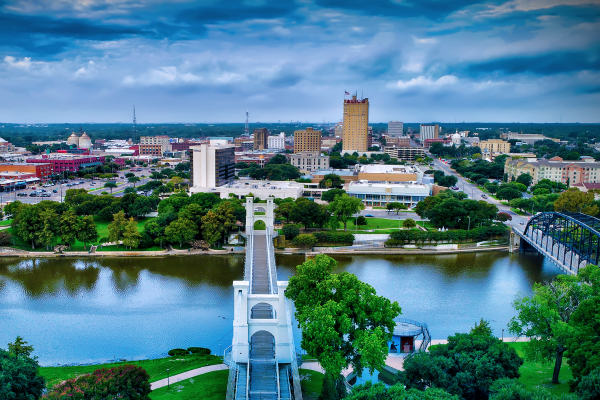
(570, 240)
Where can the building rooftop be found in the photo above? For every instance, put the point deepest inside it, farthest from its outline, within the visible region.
(386, 169)
(385, 184)
(339, 172)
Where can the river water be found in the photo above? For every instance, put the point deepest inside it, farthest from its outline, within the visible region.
(94, 310)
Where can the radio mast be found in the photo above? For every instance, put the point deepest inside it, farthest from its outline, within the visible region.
(246, 130)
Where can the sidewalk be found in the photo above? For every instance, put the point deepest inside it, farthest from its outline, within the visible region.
(187, 375)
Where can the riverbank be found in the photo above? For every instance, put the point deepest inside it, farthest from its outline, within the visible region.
(346, 250)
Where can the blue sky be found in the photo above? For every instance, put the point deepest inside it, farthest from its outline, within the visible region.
(213, 60)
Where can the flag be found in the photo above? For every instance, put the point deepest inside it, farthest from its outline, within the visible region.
(346, 94)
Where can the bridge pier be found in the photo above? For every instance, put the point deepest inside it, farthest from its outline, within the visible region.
(514, 242)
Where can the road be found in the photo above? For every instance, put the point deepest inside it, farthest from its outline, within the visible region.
(475, 193)
(88, 184)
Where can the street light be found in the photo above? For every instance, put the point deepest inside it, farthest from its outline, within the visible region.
(168, 378)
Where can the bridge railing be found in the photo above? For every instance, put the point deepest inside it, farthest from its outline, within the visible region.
(294, 363)
(271, 265)
(233, 368)
(248, 262)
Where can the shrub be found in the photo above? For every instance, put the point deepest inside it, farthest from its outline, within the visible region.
(409, 223)
(5, 238)
(589, 387)
(361, 220)
(178, 352)
(399, 238)
(305, 240)
(122, 382)
(290, 231)
(334, 237)
(199, 350)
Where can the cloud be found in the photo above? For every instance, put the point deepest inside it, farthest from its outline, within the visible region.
(417, 40)
(424, 82)
(237, 10)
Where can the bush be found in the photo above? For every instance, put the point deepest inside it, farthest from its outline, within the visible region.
(399, 238)
(199, 350)
(178, 352)
(409, 223)
(361, 220)
(290, 231)
(589, 387)
(334, 237)
(5, 238)
(122, 382)
(305, 240)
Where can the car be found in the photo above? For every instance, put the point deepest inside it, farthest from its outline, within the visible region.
(454, 188)
(42, 190)
(92, 184)
(45, 195)
(81, 182)
(54, 191)
(33, 194)
(22, 194)
(369, 216)
(483, 196)
(521, 223)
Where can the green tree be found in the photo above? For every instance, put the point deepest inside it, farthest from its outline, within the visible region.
(525, 179)
(134, 180)
(176, 181)
(87, 231)
(20, 348)
(344, 206)
(308, 213)
(409, 223)
(181, 230)
(110, 185)
(19, 376)
(342, 319)
(378, 391)
(589, 387)
(28, 224)
(522, 204)
(396, 206)
(448, 181)
(131, 235)
(466, 366)
(361, 221)
(50, 224)
(573, 200)
(544, 316)
(12, 209)
(583, 343)
(69, 226)
(509, 193)
(129, 175)
(331, 181)
(117, 227)
(218, 222)
(329, 195)
(284, 210)
(290, 231)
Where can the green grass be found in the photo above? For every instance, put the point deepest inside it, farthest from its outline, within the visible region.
(382, 225)
(517, 211)
(534, 374)
(157, 369)
(311, 382)
(209, 386)
(5, 223)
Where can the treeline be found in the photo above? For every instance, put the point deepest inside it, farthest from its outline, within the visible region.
(403, 237)
(477, 169)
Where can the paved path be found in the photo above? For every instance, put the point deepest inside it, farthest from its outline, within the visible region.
(187, 375)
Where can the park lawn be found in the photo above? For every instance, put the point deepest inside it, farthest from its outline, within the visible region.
(534, 374)
(157, 369)
(383, 225)
(311, 383)
(5, 223)
(517, 211)
(209, 386)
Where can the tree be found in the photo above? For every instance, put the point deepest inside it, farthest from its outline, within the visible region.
(589, 387)
(448, 181)
(181, 230)
(19, 373)
(12, 209)
(305, 240)
(121, 382)
(331, 181)
(583, 343)
(509, 193)
(87, 231)
(50, 224)
(290, 231)
(329, 195)
(284, 210)
(131, 235)
(69, 226)
(503, 217)
(134, 180)
(409, 223)
(378, 391)
(129, 175)
(522, 204)
(396, 206)
(466, 366)
(342, 319)
(511, 389)
(110, 185)
(361, 220)
(218, 222)
(544, 316)
(525, 179)
(277, 159)
(117, 227)
(176, 181)
(344, 206)
(573, 200)
(308, 213)
(28, 224)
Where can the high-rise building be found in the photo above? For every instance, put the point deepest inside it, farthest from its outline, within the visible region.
(260, 139)
(212, 164)
(277, 142)
(307, 140)
(429, 131)
(395, 128)
(356, 124)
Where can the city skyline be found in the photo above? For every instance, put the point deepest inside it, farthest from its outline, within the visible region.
(192, 61)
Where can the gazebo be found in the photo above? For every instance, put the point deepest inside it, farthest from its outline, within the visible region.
(409, 336)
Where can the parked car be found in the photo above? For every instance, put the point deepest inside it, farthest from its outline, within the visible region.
(55, 191)
(483, 196)
(22, 194)
(33, 194)
(45, 195)
(369, 216)
(454, 188)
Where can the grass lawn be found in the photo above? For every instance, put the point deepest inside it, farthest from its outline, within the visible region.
(157, 369)
(311, 382)
(210, 386)
(517, 211)
(535, 374)
(382, 225)
(5, 223)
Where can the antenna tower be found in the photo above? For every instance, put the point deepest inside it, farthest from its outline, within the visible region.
(134, 125)
(246, 130)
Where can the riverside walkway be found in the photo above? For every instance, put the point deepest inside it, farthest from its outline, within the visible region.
(262, 357)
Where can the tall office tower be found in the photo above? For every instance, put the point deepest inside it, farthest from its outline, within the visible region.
(212, 164)
(260, 139)
(395, 128)
(356, 124)
(307, 140)
(429, 131)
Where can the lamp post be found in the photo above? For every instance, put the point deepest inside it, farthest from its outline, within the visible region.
(168, 378)
(503, 334)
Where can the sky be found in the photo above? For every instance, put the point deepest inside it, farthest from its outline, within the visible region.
(280, 60)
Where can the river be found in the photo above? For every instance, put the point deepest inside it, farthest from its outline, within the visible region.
(93, 310)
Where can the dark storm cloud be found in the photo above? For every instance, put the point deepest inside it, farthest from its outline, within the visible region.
(46, 36)
(237, 10)
(432, 9)
(545, 64)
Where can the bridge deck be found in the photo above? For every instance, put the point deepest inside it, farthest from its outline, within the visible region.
(260, 268)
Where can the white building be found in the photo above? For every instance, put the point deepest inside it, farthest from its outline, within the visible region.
(429, 131)
(456, 139)
(395, 128)
(260, 189)
(212, 165)
(308, 161)
(276, 142)
(381, 193)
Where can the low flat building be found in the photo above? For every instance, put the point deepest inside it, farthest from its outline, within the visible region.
(389, 173)
(260, 189)
(398, 141)
(381, 193)
(347, 175)
(529, 138)
(405, 153)
(494, 146)
(428, 142)
(586, 170)
(309, 161)
(42, 170)
(71, 162)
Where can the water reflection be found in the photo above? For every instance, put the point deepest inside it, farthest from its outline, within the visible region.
(94, 309)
